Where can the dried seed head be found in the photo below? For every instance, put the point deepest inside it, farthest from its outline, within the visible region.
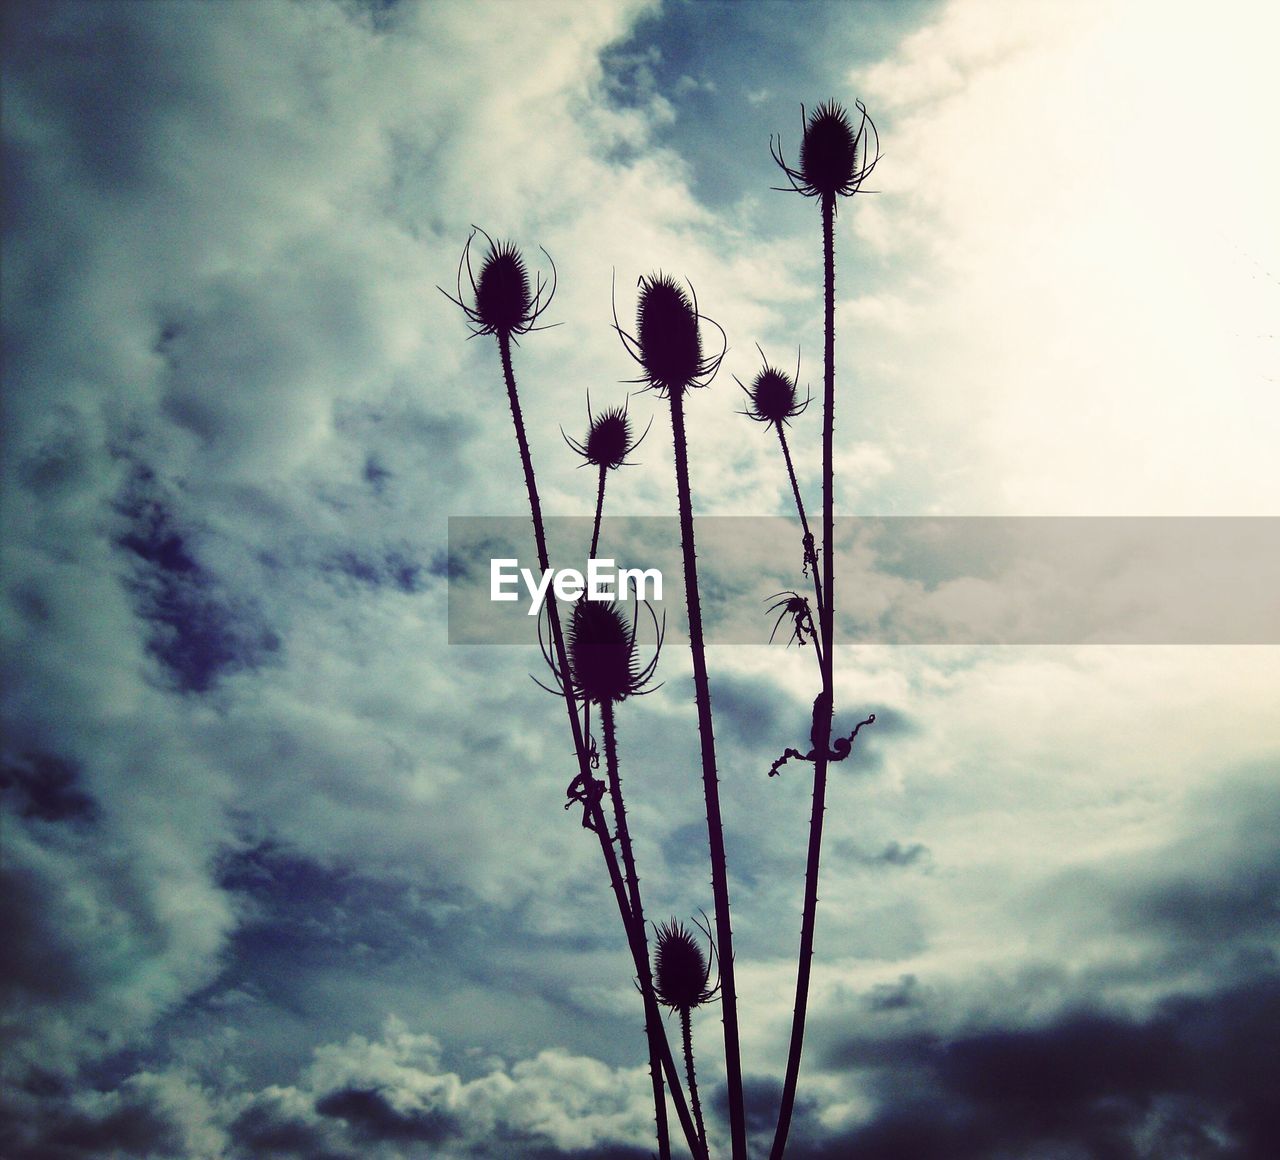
(608, 441)
(667, 334)
(828, 153)
(773, 397)
(602, 653)
(681, 970)
(609, 438)
(503, 299)
(835, 155)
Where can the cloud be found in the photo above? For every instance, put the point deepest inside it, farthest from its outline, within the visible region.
(1185, 1080)
(253, 800)
(1028, 168)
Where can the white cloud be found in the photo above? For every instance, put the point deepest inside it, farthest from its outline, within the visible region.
(1083, 185)
(232, 294)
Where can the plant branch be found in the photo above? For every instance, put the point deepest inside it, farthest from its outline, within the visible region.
(595, 530)
(686, 1031)
(823, 706)
(711, 789)
(635, 935)
(610, 731)
(810, 554)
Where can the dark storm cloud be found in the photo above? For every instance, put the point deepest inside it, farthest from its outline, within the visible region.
(41, 1130)
(753, 709)
(903, 995)
(196, 629)
(46, 787)
(39, 963)
(371, 1115)
(1219, 888)
(391, 568)
(1191, 1076)
(1198, 1073)
(262, 1129)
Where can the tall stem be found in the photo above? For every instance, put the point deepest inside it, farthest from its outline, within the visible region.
(635, 933)
(595, 531)
(609, 729)
(711, 791)
(811, 557)
(823, 707)
(686, 1032)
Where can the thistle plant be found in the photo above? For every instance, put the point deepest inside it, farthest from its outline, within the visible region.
(667, 345)
(606, 446)
(774, 401)
(835, 159)
(503, 304)
(594, 659)
(682, 980)
(604, 670)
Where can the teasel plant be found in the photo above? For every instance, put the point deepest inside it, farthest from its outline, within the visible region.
(836, 158)
(773, 399)
(604, 670)
(667, 345)
(503, 303)
(606, 445)
(682, 980)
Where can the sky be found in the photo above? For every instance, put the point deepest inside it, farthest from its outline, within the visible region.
(287, 874)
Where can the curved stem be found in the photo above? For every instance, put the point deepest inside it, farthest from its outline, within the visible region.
(595, 531)
(811, 557)
(609, 729)
(711, 791)
(823, 707)
(635, 934)
(686, 1031)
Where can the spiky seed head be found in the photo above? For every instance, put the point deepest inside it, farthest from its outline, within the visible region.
(829, 151)
(667, 334)
(504, 301)
(773, 397)
(608, 440)
(681, 969)
(602, 652)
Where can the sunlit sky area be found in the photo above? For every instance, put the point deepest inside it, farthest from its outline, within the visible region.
(285, 874)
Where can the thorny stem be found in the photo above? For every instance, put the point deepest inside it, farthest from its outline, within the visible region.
(686, 1031)
(823, 707)
(711, 790)
(811, 561)
(635, 935)
(609, 729)
(595, 531)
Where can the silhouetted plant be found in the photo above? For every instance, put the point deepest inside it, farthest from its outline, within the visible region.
(682, 979)
(503, 304)
(607, 444)
(668, 346)
(594, 660)
(835, 160)
(774, 401)
(604, 670)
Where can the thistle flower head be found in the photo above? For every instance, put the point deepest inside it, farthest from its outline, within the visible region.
(667, 343)
(772, 396)
(608, 441)
(681, 969)
(835, 156)
(604, 662)
(602, 652)
(502, 300)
